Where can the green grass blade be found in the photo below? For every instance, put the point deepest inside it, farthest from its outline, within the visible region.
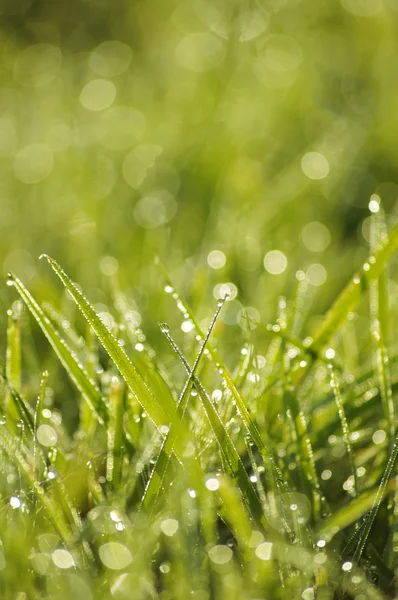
(241, 406)
(115, 434)
(379, 324)
(351, 513)
(8, 444)
(22, 410)
(73, 367)
(230, 454)
(159, 414)
(13, 367)
(158, 473)
(381, 491)
(344, 425)
(352, 293)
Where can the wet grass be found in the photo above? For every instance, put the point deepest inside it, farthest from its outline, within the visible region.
(257, 476)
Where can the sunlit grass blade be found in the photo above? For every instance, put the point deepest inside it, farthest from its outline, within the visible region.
(8, 444)
(38, 417)
(87, 419)
(73, 367)
(229, 383)
(158, 473)
(13, 366)
(157, 412)
(230, 454)
(353, 292)
(379, 323)
(344, 425)
(377, 501)
(115, 435)
(22, 410)
(350, 513)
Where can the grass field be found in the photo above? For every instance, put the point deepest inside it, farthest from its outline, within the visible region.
(199, 377)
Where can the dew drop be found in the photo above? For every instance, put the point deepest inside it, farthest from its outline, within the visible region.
(15, 502)
(212, 484)
(164, 328)
(52, 474)
(169, 527)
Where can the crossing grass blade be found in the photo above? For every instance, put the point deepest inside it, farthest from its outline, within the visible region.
(158, 473)
(351, 513)
(237, 397)
(229, 452)
(73, 367)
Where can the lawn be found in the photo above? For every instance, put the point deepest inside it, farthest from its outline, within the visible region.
(198, 363)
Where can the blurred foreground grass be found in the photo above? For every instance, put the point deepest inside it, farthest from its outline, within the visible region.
(252, 147)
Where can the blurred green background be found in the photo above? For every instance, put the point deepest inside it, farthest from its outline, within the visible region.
(240, 142)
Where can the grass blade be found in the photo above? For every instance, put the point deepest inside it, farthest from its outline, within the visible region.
(73, 367)
(159, 414)
(230, 454)
(344, 425)
(228, 379)
(115, 434)
(13, 367)
(157, 476)
(352, 293)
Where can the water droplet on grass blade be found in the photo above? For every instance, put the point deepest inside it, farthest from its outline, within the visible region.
(63, 559)
(169, 527)
(220, 555)
(164, 328)
(15, 502)
(264, 550)
(46, 435)
(212, 484)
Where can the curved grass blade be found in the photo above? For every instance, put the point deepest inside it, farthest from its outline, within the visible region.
(159, 414)
(75, 370)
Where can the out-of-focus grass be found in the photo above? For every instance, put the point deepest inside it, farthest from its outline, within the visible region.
(251, 146)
